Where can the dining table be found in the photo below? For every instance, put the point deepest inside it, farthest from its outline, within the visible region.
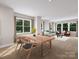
(40, 41)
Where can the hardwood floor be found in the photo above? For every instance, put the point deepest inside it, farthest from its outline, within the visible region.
(67, 49)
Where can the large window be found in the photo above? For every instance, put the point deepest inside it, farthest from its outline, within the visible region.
(73, 27)
(23, 25)
(26, 26)
(59, 27)
(19, 26)
(65, 26)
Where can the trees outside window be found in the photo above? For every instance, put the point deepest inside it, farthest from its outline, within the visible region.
(22, 26)
(73, 27)
(65, 26)
(59, 27)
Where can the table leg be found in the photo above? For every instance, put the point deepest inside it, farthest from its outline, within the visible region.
(50, 43)
(41, 49)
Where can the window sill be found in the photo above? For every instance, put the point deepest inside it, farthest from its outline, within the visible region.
(23, 33)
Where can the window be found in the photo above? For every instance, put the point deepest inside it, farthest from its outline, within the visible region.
(73, 27)
(59, 27)
(19, 27)
(23, 25)
(65, 26)
(26, 26)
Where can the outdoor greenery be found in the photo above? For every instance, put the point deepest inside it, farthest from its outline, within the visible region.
(26, 26)
(65, 26)
(73, 27)
(22, 26)
(58, 27)
(19, 26)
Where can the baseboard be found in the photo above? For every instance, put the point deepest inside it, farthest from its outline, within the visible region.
(6, 45)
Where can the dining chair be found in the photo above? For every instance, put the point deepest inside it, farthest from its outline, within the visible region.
(18, 42)
(27, 45)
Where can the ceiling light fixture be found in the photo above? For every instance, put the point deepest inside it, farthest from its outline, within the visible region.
(50, 0)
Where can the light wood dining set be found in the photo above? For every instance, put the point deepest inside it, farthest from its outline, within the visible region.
(28, 43)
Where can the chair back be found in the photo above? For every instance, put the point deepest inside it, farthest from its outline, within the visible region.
(18, 39)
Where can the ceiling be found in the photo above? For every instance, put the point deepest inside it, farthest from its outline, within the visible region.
(54, 9)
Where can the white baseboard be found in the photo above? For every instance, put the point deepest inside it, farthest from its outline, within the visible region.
(6, 45)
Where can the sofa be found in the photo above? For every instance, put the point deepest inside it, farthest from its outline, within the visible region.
(67, 33)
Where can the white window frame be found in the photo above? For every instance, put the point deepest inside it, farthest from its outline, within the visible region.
(68, 26)
(17, 18)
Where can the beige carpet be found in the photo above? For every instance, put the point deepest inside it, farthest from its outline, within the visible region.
(60, 50)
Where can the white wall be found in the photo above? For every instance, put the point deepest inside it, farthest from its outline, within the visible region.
(23, 16)
(38, 24)
(53, 26)
(0, 29)
(6, 26)
(46, 24)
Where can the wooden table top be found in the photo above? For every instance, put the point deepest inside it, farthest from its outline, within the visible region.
(39, 38)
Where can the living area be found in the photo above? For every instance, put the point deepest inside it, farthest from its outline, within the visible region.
(46, 29)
